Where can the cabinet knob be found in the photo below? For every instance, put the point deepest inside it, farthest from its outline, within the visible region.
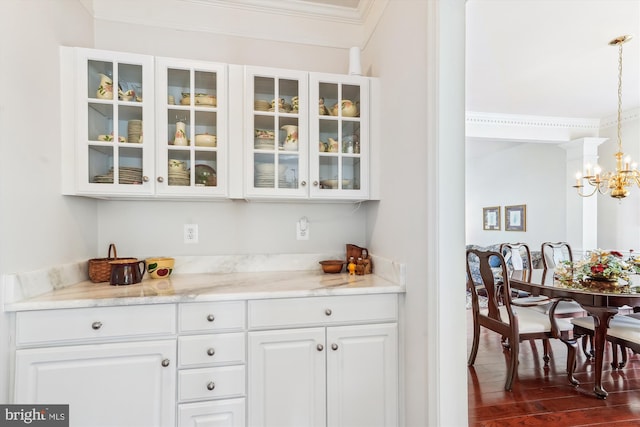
(145, 178)
(96, 325)
(160, 179)
(320, 347)
(303, 183)
(211, 318)
(315, 183)
(334, 346)
(211, 351)
(328, 312)
(211, 385)
(165, 362)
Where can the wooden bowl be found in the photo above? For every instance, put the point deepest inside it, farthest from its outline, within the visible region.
(332, 265)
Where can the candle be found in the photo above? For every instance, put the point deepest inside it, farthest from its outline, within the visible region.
(627, 160)
(588, 169)
(578, 178)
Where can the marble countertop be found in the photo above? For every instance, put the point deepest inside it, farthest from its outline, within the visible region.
(208, 287)
(196, 286)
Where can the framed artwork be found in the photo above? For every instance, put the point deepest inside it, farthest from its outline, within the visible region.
(491, 218)
(515, 218)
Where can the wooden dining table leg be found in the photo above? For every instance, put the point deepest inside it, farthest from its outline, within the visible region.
(601, 316)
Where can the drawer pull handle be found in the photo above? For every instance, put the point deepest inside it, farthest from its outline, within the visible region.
(96, 325)
(211, 385)
(165, 362)
(160, 179)
(211, 318)
(334, 346)
(211, 351)
(328, 312)
(320, 347)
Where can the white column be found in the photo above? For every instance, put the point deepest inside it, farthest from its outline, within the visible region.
(581, 212)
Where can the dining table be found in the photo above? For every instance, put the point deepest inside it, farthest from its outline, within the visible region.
(597, 303)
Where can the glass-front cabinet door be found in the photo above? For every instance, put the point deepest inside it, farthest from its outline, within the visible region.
(339, 136)
(191, 117)
(114, 126)
(276, 133)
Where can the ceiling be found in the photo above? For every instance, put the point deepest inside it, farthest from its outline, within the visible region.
(551, 58)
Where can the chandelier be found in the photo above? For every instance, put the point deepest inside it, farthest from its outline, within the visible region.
(615, 183)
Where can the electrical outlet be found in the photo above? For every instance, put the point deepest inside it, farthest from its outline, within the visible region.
(191, 233)
(302, 229)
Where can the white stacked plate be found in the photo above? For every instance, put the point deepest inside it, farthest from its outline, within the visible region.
(264, 176)
(177, 177)
(128, 175)
(134, 129)
(260, 105)
(264, 143)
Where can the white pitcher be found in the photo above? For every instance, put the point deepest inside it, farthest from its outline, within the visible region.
(105, 89)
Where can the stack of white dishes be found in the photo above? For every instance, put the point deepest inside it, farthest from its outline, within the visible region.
(264, 175)
(264, 139)
(128, 175)
(261, 105)
(179, 178)
(135, 131)
(178, 175)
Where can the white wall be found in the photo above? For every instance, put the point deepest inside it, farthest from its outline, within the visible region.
(418, 51)
(156, 227)
(38, 227)
(504, 173)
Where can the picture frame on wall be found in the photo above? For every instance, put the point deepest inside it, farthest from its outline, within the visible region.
(515, 218)
(491, 218)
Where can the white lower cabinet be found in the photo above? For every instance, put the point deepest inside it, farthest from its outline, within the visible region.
(104, 384)
(127, 376)
(310, 361)
(321, 375)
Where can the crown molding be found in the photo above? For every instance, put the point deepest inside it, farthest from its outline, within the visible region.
(293, 8)
(290, 21)
(496, 119)
(626, 116)
(525, 128)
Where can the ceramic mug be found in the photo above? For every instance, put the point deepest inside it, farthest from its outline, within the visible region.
(126, 271)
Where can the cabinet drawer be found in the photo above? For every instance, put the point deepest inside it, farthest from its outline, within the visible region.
(211, 383)
(227, 413)
(211, 349)
(291, 312)
(208, 316)
(82, 324)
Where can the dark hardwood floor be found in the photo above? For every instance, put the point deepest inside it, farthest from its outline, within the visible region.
(543, 396)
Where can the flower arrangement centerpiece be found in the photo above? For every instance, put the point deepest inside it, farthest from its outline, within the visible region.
(602, 271)
(604, 266)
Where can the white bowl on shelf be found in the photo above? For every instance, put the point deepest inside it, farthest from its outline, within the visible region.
(206, 140)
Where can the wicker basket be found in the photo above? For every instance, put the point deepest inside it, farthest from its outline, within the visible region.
(99, 268)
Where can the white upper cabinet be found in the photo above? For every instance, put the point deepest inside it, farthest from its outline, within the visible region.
(191, 123)
(108, 112)
(138, 126)
(339, 137)
(276, 133)
(306, 135)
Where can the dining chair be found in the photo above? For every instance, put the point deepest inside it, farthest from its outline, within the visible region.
(512, 319)
(623, 333)
(554, 253)
(517, 257)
